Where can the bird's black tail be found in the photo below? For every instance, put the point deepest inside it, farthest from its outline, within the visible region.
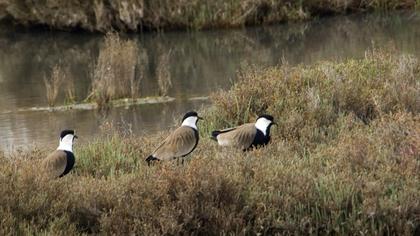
(214, 134)
(150, 159)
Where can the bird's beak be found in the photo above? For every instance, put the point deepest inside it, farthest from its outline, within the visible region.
(75, 136)
(274, 123)
(200, 118)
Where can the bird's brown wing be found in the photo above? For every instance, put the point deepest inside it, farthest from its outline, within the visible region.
(240, 137)
(55, 163)
(177, 144)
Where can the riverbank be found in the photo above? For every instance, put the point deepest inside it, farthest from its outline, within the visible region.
(138, 15)
(343, 160)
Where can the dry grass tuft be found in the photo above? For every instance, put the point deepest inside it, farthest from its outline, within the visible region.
(53, 84)
(114, 74)
(70, 91)
(341, 162)
(163, 73)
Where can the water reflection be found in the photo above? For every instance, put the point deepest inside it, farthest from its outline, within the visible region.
(180, 64)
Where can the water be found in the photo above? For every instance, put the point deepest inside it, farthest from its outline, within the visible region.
(199, 63)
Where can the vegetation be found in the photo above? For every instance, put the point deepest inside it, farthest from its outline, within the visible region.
(134, 15)
(114, 75)
(60, 79)
(344, 160)
(310, 100)
(163, 73)
(53, 84)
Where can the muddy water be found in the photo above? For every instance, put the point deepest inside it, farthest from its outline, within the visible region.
(197, 64)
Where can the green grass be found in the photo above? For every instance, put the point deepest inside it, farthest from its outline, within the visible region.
(343, 160)
(134, 15)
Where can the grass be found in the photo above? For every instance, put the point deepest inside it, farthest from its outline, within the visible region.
(163, 73)
(136, 15)
(70, 93)
(344, 160)
(309, 100)
(53, 84)
(114, 74)
(60, 81)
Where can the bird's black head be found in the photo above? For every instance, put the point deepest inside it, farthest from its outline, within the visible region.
(191, 114)
(66, 132)
(268, 117)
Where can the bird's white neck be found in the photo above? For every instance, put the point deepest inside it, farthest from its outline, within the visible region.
(262, 124)
(66, 144)
(190, 122)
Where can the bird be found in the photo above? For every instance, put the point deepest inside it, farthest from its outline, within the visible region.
(180, 142)
(60, 162)
(246, 136)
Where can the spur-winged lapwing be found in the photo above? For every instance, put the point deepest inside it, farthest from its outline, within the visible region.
(247, 135)
(179, 143)
(61, 161)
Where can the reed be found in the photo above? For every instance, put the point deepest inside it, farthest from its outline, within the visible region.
(70, 90)
(53, 84)
(163, 73)
(114, 74)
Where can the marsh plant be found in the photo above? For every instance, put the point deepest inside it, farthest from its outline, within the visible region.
(141, 69)
(114, 74)
(53, 84)
(344, 160)
(70, 90)
(163, 73)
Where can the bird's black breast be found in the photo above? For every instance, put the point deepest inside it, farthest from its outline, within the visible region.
(70, 163)
(260, 139)
(196, 141)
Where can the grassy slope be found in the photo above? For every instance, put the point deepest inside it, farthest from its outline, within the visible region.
(133, 15)
(344, 159)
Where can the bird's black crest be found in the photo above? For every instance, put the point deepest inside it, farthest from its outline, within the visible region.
(268, 117)
(189, 114)
(66, 132)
